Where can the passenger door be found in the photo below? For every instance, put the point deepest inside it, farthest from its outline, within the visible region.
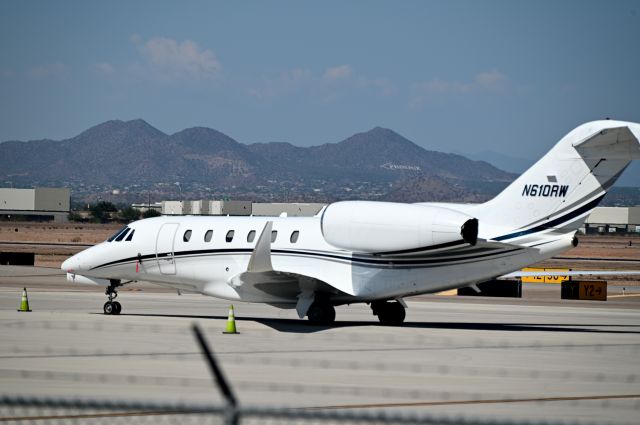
(164, 248)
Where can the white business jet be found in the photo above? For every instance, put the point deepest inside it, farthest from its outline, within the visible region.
(370, 252)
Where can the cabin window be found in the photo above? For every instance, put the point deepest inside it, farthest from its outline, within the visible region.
(251, 236)
(294, 236)
(208, 236)
(130, 236)
(122, 235)
(187, 235)
(274, 235)
(116, 234)
(229, 237)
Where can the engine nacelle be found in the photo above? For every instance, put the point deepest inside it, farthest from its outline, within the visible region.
(387, 227)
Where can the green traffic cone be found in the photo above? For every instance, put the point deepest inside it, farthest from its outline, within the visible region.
(24, 305)
(231, 323)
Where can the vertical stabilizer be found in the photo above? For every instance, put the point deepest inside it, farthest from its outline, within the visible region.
(559, 191)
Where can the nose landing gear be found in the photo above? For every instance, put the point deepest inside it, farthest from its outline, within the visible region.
(112, 307)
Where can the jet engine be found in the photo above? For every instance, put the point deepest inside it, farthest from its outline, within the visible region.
(386, 227)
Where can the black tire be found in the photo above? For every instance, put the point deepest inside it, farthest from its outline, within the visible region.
(391, 313)
(108, 307)
(321, 314)
(117, 307)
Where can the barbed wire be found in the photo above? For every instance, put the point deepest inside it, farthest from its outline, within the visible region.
(36, 409)
(413, 394)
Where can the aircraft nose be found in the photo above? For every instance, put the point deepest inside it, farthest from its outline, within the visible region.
(71, 265)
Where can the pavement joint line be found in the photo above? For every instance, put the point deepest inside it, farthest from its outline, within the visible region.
(466, 402)
(624, 296)
(90, 416)
(303, 351)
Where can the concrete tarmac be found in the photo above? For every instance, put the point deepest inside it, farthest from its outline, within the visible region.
(535, 358)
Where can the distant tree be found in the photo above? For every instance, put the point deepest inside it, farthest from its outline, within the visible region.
(151, 213)
(129, 214)
(101, 212)
(75, 216)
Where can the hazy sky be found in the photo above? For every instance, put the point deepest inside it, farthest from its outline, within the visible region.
(508, 76)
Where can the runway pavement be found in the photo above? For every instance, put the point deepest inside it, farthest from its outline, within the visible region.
(535, 358)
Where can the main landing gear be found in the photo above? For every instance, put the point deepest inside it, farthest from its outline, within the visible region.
(389, 312)
(321, 312)
(112, 307)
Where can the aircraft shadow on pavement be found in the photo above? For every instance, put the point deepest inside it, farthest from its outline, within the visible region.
(299, 326)
(303, 326)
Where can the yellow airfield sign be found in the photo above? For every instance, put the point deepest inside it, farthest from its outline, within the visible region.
(584, 290)
(545, 279)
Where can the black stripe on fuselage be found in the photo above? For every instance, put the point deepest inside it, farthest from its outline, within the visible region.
(424, 248)
(450, 257)
(552, 223)
(360, 260)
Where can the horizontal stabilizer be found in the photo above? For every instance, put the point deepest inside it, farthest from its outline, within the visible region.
(571, 273)
(612, 143)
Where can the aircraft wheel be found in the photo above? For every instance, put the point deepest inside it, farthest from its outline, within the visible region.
(321, 314)
(108, 307)
(112, 307)
(391, 313)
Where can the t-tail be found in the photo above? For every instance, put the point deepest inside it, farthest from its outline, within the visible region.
(559, 191)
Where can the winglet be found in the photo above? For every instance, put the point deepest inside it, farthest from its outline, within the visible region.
(260, 260)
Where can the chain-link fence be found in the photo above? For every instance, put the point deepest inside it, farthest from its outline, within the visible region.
(61, 411)
(441, 379)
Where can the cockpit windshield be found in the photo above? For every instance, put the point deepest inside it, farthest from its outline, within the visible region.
(119, 233)
(122, 235)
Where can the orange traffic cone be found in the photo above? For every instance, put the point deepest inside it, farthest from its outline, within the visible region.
(24, 305)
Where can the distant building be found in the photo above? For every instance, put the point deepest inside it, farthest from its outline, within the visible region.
(236, 208)
(157, 206)
(173, 207)
(230, 208)
(602, 220)
(204, 207)
(38, 202)
(291, 209)
(613, 220)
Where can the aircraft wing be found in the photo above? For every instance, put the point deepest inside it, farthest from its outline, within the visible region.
(260, 260)
(260, 279)
(489, 243)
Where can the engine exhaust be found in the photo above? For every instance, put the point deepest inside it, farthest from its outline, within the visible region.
(469, 231)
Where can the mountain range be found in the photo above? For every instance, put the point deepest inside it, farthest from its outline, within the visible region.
(120, 153)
